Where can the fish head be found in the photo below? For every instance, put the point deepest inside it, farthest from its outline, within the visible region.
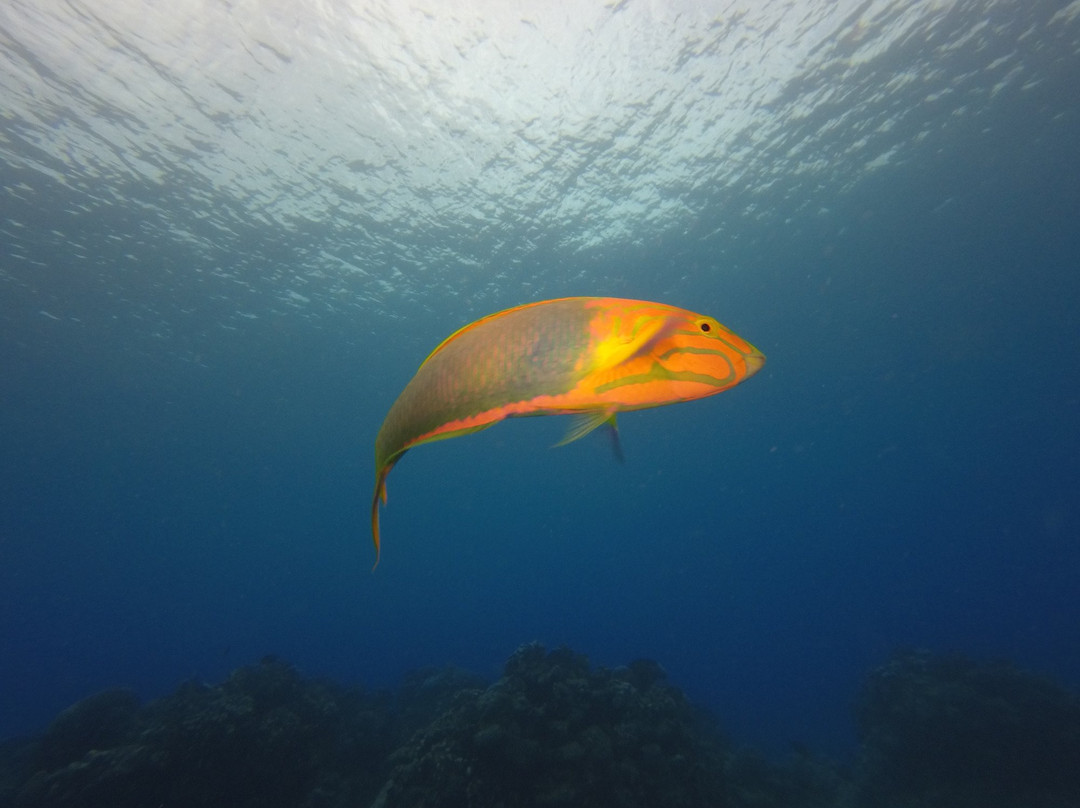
(648, 354)
(704, 346)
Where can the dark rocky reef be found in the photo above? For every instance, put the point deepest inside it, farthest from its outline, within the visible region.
(265, 737)
(936, 732)
(554, 732)
(947, 731)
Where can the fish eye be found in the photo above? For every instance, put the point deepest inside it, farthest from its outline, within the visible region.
(704, 326)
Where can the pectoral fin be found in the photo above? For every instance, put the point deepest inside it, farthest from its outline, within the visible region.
(614, 351)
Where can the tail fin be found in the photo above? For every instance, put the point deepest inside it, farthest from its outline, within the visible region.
(380, 494)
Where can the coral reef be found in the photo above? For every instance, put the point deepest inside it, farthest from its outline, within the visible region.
(554, 732)
(947, 731)
(936, 732)
(265, 737)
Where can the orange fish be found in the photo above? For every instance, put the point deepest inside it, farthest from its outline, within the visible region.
(591, 357)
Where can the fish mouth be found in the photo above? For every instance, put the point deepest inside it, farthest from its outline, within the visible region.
(754, 360)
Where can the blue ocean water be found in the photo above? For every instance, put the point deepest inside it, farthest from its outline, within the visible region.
(230, 240)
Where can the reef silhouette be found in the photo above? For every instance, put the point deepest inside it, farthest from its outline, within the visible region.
(935, 731)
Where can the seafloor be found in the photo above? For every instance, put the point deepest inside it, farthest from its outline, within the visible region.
(934, 732)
